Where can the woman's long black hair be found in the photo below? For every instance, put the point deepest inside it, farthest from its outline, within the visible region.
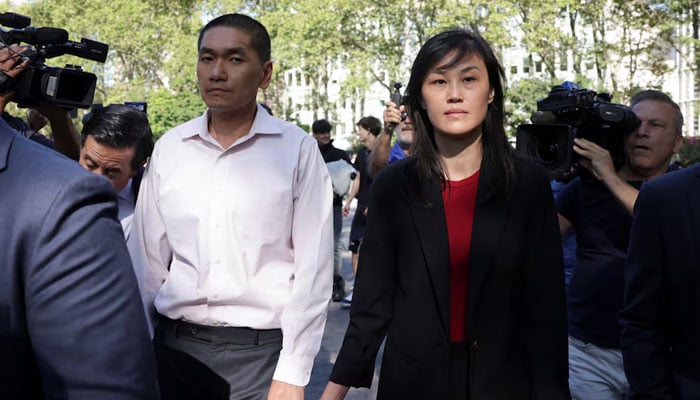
(498, 155)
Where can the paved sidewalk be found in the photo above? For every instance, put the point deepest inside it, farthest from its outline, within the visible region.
(333, 336)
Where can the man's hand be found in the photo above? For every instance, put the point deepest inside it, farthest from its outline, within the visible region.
(285, 391)
(392, 117)
(599, 163)
(597, 160)
(11, 64)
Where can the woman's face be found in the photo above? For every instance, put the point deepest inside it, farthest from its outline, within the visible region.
(456, 98)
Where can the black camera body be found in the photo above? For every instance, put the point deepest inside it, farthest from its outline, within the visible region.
(569, 112)
(68, 87)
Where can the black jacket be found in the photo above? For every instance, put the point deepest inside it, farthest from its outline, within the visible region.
(516, 318)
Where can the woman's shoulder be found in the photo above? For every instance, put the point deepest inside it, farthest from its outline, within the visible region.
(400, 168)
(529, 171)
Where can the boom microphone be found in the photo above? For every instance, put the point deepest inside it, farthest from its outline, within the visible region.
(37, 36)
(14, 20)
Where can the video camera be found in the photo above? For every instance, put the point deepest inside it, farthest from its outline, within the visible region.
(570, 112)
(67, 87)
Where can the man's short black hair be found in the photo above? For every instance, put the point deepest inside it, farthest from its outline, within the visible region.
(321, 126)
(259, 37)
(372, 124)
(121, 127)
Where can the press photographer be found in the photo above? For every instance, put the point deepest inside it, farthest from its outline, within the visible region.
(569, 112)
(52, 91)
(600, 212)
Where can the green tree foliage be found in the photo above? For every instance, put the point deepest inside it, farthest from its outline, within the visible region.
(153, 45)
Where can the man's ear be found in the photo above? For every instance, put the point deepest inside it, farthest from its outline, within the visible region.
(135, 171)
(678, 144)
(267, 74)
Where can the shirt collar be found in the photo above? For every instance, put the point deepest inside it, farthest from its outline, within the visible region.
(264, 124)
(125, 193)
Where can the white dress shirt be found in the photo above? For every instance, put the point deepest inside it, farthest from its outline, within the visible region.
(126, 208)
(240, 236)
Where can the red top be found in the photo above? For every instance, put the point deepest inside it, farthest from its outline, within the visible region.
(459, 198)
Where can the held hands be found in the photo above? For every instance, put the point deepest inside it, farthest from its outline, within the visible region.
(346, 209)
(285, 391)
(596, 159)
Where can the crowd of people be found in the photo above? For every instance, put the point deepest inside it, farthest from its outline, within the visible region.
(202, 267)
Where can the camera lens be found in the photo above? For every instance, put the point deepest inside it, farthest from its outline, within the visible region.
(549, 152)
(404, 115)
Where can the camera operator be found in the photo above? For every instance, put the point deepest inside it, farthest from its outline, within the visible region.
(71, 322)
(321, 130)
(383, 153)
(64, 133)
(600, 212)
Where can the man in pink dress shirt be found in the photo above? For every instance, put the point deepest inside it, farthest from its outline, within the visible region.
(234, 226)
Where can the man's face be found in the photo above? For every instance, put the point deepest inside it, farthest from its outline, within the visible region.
(649, 148)
(404, 129)
(229, 70)
(323, 138)
(362, 134)
(115, 164)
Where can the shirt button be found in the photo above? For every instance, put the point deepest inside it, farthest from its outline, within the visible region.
(217, 261)
(215, 297)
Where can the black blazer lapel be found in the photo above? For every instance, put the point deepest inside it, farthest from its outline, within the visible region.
(431, 229)
(489, 220)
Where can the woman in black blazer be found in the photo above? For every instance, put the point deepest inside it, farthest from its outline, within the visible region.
(461, 267)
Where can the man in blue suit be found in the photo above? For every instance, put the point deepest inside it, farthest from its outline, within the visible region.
(660, 321)
(71, 320)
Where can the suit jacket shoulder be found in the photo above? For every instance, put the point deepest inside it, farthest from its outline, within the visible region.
(71, 323)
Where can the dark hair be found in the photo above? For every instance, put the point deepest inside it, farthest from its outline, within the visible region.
(498, 154)
(372, 124)
(321, 126)
(661, 97)
(121, 127)
(259, 38)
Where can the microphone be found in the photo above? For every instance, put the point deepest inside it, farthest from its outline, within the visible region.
(543, 117)
(39, 36)
(14, 20)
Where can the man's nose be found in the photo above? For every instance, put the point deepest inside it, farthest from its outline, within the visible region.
(217, 72)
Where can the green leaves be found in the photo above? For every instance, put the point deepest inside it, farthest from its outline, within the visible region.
(373, 43)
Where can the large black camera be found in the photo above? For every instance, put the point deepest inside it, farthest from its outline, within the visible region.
(67, 87)
(570, 112)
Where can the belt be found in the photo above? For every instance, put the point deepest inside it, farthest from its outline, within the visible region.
(218, 334)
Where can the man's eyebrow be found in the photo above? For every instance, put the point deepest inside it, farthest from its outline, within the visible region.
(228, 51)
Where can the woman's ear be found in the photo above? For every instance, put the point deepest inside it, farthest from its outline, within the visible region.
(491, 94)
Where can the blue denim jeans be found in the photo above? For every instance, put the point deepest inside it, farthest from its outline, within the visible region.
(596, 373)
